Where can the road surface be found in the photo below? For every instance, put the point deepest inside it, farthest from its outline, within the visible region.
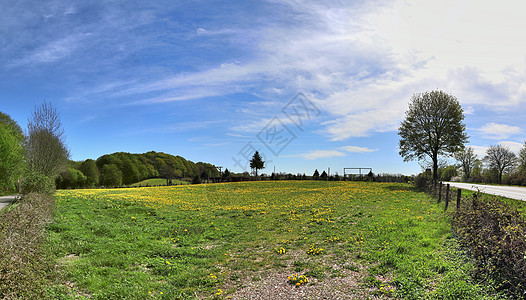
(513, 192)
(6, 200)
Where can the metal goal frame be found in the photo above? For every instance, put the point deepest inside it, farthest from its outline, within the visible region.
(360, 173)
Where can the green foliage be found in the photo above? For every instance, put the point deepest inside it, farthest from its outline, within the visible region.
(11, 158)
(316, 175)
(90, 170)
(493, 233)
(71, 178)
(521, 159)
(432, 127)
(423, 181)
(34, 182)
(468, 161)
(111, 176)
(137, 167)
(448, 172)
(11, 153)
(257, 162)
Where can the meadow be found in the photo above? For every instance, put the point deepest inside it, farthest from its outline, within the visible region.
(157, 181)
(281, 239)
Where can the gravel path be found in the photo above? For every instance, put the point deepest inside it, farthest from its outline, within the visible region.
(513, 192)
(6, 200)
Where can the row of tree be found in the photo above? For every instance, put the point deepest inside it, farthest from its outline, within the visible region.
(38, 160)
(29, 162)
(123, 168)
(499, 165)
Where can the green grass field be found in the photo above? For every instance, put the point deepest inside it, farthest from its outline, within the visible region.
(349, 239)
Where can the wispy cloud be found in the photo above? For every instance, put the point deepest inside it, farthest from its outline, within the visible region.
(357, 149)
(317, 154)
(178, 127)
(499, 131)
(51, 52)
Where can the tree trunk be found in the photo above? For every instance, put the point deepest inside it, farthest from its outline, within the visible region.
(435, 167)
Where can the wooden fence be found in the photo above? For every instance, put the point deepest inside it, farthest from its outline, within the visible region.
(444, 193)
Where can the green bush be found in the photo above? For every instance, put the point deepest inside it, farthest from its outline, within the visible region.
(34, 182)
(493, 233)
(423, 181)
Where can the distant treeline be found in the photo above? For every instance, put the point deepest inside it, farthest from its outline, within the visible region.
(123, 168)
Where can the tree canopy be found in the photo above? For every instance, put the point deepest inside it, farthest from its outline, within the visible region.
(433, 127)
(500, 159)
(467, 159)
(128, 168)
(11, 152)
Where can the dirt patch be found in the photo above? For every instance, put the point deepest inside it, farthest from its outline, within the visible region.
(276, 286)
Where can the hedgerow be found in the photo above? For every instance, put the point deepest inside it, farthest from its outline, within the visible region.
(26, 270)
(494, 233)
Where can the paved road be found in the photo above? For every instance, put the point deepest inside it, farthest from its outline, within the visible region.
(513, 192)
(6, 200)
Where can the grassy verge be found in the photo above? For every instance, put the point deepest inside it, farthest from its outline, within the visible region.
(26, 269)
(251, 239)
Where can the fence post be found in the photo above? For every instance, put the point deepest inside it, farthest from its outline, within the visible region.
(447, 196)
(459, 195)
(439, 192)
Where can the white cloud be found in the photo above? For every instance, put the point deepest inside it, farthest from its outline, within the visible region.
(357, 149)
(362, 61)
(316, 154)
(498, 131)
(480, 151)
(513, 146)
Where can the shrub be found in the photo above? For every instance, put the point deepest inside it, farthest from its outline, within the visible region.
(35, 182)
(493, 233)
(26, 269)
(423, 181)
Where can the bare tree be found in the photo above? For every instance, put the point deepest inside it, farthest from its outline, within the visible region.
(46, 151)
(501, 159)
(467, 159)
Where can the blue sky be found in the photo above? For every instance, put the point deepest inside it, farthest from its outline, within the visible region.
(214, 80)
